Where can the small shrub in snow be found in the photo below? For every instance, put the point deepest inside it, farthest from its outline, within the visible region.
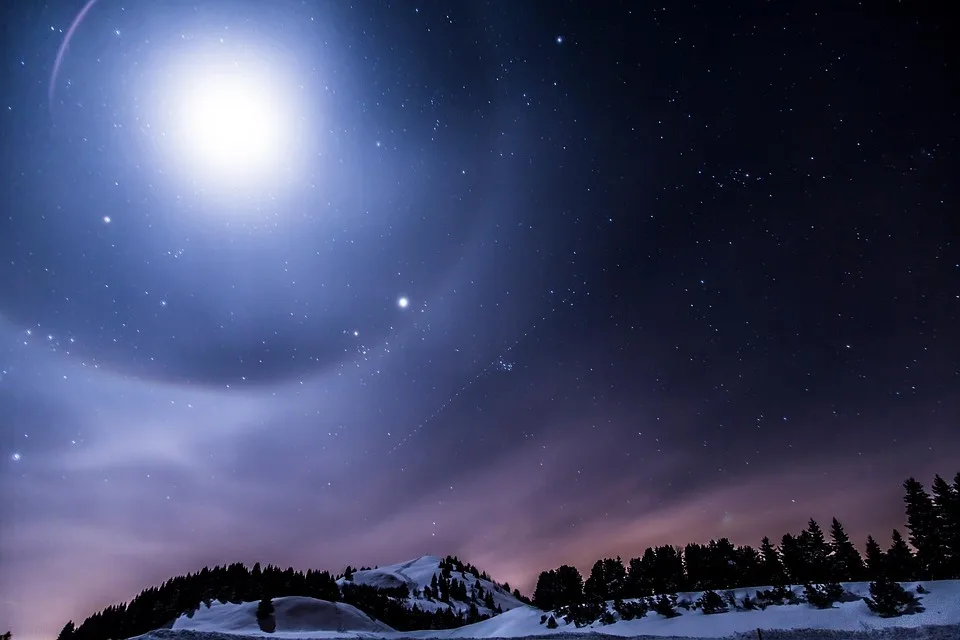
(731, 598)
(748, 603)
(551, 623)
(823, 596)
(543, 618)
(684, 603)
(778, 595)
(607, 617)
(666, 606)
(889, 600)
(632, 609)
(711, 602)
(921, 590)
(583, 613)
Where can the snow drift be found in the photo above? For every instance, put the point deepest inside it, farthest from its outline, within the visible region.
(292, 613)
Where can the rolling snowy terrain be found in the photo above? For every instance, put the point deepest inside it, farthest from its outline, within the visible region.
(307, 618)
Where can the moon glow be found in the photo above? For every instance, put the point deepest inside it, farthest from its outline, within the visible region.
(228, 121)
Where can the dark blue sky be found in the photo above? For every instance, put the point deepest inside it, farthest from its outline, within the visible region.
(667, 271)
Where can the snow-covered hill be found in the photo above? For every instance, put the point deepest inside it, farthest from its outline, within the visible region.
(292, 614)
(305, 619)
(418, 575)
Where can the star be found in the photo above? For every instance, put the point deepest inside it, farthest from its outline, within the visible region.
(403, 302)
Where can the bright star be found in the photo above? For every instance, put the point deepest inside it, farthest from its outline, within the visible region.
(403, 303)
(15, 457)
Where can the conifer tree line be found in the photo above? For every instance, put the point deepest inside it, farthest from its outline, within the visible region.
(810, 557)
(160, 606)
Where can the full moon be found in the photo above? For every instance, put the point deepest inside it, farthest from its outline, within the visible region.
(230, 120)
(230, 123)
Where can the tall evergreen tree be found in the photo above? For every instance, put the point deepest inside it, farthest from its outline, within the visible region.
(845, 560)
(723, 563)
(794, 558)
(558, 588)
(616, 576)
(667, 574)
(67, 632)
(771, 567)
(747, 566)
(638, 583)
(900, 564)
(876, 560)
(696, 562)
(545, 594)
(817, 552)
(925, 535)
(569, 585)
(595, 587)
(946, 501)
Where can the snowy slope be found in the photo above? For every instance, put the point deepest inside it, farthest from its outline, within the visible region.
(292, 614)
(844, 622)
(942, 608)
(418, 573)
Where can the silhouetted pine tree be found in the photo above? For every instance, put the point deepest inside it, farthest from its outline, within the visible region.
(946, 501)
(67, 632)
(845, 560)
(794, 559)
(265, 616)
(616, 576)
(771, 567)
(747, 569)
(570, 585)
(876, 560)
(558, 588)
(595, 586)
(697, 563)
(900, 565)
(473, 614)
(816, 552)
(667, 574)
(722, 565)
(924, 530)
(639, 583)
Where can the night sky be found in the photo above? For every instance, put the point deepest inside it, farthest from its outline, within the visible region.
(318, 283)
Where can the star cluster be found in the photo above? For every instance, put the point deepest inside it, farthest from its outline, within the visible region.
(529, 283)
